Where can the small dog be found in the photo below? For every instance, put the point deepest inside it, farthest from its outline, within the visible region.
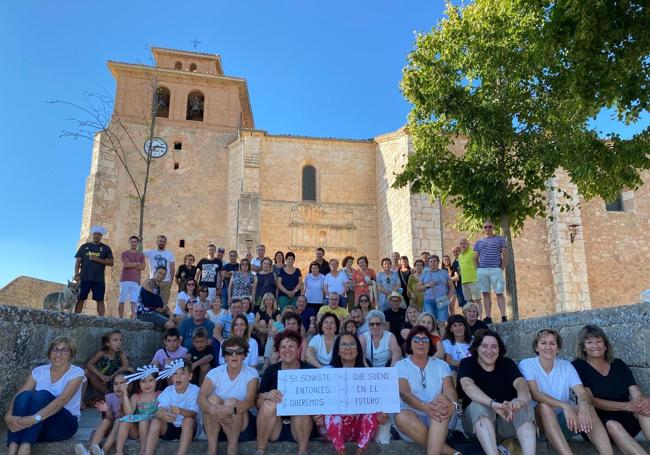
(64, 300)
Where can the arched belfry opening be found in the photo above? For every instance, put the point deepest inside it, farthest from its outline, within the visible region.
(195, 102)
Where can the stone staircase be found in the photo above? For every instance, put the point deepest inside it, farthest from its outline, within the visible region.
(90, 419)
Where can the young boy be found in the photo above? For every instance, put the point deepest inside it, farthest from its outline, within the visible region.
(171, 350)
(177, 412)
(202, 355)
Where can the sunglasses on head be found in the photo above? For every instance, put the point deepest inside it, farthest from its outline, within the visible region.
(229, 352)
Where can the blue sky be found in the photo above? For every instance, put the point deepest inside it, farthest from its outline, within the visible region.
(313, 68)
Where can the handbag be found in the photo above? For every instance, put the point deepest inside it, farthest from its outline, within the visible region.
(442, 302)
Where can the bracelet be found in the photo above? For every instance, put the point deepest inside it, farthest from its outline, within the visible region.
(584, 402)
(491, 403)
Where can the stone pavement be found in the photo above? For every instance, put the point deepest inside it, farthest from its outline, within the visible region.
(90, 419)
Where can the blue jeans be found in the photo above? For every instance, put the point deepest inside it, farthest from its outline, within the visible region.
(58, 427)
(441, 314)
(224, 298)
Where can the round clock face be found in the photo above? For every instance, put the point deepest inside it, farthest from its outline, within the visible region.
(156, 147)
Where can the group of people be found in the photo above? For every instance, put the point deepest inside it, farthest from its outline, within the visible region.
(433, 284)
(184, 392)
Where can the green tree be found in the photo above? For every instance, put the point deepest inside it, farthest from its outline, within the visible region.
(505, 75)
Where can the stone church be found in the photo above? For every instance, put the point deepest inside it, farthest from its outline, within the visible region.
(224, 180)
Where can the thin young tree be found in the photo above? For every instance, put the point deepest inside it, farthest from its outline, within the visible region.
(100, 123)
(505, 75)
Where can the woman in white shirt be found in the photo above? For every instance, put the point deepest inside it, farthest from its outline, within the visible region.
(240, 328)
(319, 351)
(188, 296)
(227, 393)
(47, 406)
(337, 281)
(551, 381)
(380, 348)
(426, 392)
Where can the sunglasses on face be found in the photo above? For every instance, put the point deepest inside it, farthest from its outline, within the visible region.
(375, 324)
(203, 290)
(422, 339)
(229, 352)
(350, 345)
(364, 301)
(488, 226)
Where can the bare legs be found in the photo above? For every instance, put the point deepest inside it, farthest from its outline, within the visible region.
(433, 437)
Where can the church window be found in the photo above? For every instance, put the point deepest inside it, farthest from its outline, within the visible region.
(309, 183)
(181, 243)
(177, 166)
(178, 146)
(195, 102)
(178, 66)
(624, 202)
(163, 97)
(193, 67)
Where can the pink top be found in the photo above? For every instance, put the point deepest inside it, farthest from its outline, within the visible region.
(131, 274)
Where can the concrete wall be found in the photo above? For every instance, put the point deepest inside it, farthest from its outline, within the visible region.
(628, 328)
(27, 333)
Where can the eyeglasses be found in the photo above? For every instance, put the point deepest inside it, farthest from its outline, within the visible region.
(191, 284)
(488, 226)
(423, 339)
(229, 352)
(60, 351)
(348, 345)
(375, 324)
(203, 290)
(364, 300)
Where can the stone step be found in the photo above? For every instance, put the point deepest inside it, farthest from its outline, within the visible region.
(315, 447)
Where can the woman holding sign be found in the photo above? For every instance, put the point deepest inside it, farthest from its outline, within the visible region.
(427, 394)
(359, 428)
(270, 427)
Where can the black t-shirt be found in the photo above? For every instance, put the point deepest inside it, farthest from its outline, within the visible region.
(209, 268)
(478, 325)
(197, 355)
(305, 317)
(228, 267)
(613, 387)
(93, 271)
(324, 267)
(289, 280)
(395, 319)
(497, 384)
(455, 268)
(185, 273)
(265, 283)
(270, 376)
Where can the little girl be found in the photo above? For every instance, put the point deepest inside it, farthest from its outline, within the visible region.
(112, 410)
(456, 342)
(107, 362)
(215, 311)
(138, 411)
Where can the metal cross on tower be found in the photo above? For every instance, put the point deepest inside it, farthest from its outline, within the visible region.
(195, 42)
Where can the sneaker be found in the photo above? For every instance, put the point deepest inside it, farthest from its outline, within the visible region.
(79, 449)
(96, 450)
(502, 450)
(504, 319)
(487, 320)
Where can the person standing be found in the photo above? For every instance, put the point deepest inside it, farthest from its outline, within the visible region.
(454, 271)
(404, 273)
(323, 265)
(256, 263)
(132, 267)
(469, 276)
(491, 260)
(185, 271)
(208, 273)
(160, 257)
(91, 260)
(226, 273)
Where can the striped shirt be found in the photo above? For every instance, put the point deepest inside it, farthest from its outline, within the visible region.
(489, 250)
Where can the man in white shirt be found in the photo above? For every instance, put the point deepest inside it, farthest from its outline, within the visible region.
(161, 257)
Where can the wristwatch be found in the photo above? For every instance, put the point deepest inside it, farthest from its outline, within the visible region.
(37, 418)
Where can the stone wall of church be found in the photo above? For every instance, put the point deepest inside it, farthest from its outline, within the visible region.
(343, 218)
(617, 248)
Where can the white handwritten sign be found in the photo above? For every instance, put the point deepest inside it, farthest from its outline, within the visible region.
(338, 391)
